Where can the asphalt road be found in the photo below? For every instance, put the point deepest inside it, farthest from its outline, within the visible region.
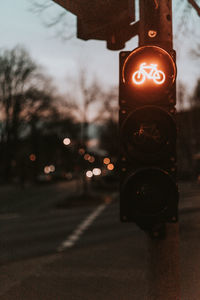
(86, 253)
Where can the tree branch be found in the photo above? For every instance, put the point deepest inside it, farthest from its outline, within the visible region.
(195, 5)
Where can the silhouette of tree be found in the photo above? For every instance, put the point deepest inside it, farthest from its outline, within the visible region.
(109, 131)
(109, 138)
(85, 104)
(58, 19)
(181, 96)
(85, 100)
(109, 110)
(24, 102)
(16, 71)
(188, 144)
(195, 99)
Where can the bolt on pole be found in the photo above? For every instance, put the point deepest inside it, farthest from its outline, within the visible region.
(156, 23)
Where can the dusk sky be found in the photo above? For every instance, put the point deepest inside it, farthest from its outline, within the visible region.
(63, 59)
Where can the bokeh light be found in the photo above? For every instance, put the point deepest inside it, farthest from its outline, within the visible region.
(89, 174)
(87, 156)
(47, 170)
(106, 160)
(52, 168)
(91, 159)
(32, 157)
(110, 167)
(96, 171)
(66, 141)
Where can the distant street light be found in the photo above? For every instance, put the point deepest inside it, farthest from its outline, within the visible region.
(91, 159)
(66, 141)
(47, 170)
(96, 171)
(52, 168)
(106, 160)
(81, 151)
(32, 157)
(87, 156)
(110, 167)
(89, 174)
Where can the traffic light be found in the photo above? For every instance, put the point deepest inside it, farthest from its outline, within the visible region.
(147, 98)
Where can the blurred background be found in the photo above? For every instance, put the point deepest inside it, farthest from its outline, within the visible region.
(59, 96)
(58, 159)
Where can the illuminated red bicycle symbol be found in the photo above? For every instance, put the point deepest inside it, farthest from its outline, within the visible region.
(150, 72)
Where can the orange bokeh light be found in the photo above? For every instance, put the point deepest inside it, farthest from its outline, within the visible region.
(91, 159)
(32, 157)
(81, 151)
(87, 156)
(110, 167)
(106, 160)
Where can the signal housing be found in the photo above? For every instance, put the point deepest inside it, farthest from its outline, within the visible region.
(148, 192)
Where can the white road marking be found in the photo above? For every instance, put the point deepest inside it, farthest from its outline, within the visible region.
(73, 238)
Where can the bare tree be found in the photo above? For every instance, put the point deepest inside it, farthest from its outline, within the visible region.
(196, 95)
(181, 96)
(55, 18)
(85, 98)
(16, 70)
(22, 99)
(90, 104)
(188, 144)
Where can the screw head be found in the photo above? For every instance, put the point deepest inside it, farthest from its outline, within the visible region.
(152, 33)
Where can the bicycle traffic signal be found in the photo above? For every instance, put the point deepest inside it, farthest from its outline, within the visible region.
(147, 98)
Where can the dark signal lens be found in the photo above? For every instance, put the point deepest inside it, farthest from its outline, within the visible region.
(148, 134)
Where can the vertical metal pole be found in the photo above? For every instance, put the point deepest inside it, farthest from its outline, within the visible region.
(163, 273)
(164, 281)
(156, 23)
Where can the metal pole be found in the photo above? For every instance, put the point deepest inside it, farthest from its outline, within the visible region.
(156, 23)
(164, 281)
(163, 273)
